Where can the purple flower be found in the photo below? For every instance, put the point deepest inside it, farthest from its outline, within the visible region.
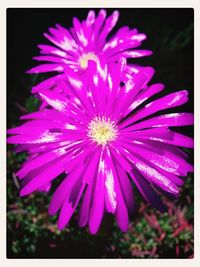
(103, 139)
(88, 40)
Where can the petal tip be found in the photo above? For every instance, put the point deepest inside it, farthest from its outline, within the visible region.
(23, 193)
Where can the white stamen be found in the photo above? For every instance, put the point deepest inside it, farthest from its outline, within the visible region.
(102, 130)
(83, 60)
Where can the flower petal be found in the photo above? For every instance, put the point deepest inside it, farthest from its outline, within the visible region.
(126, 188)
(144, 95)
(46, 68)
(45, 158)
(68, 206)
(44, 177)
(167, 120)
(169, 101)
(89, 178)
(109, 24)
(62, 190)
(132, 54)
(151, 174)
(97, 208)
(147, 192)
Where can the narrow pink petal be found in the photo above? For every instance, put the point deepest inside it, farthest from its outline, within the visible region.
(107, 173)
(122, 213)
(45, 158)
(48, 83)
(145, 95)
(62, 40)
(118, 158)
(62, 104)
(154, 176)
(121, 210)
(136, 53)
(169, 101)
(67, 41)
(96, 82)
(44, 177)
(57, 101)
(66, 163)
(132, 54)
(174, 178)
(89, 177)
(167, 120)
(151, 174)
(46, 114)
(167, 161)
(47, 68)
(36, 126)
(120, 44)
(45, 188)
(68, 208)
(114, 41)
(126, 187)
(92, 166)
(86, 205)
(79, 32)
(40, 138)
(99, 22)
(88, 28)
(97, 208)
(54, 59)
(130, 71)
(164, 146)
(90, 18)
(79, 154)
(162, 133)
(131, 89)
(176, 139)
(47, 49)
(146, 191)
(41, 148)
(110, 23)
(78, 89)
(62, 190)
(180, 140)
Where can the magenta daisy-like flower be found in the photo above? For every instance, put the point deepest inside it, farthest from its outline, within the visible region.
(103, 140)
(88, 40)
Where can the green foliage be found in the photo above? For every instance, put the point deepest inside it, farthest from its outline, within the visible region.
(171, 43)
(32, 104)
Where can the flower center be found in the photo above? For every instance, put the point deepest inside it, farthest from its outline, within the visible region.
(83, 60)
(102, 130)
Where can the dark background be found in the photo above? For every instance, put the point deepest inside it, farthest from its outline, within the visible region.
(30, 231)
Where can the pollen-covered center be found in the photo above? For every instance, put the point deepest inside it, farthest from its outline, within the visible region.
(83, 60)
(102, 130)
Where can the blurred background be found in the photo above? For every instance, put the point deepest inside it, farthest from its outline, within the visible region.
(31, 232)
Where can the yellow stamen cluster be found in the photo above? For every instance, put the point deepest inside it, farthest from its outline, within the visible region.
(83, 60)
(102, 130)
